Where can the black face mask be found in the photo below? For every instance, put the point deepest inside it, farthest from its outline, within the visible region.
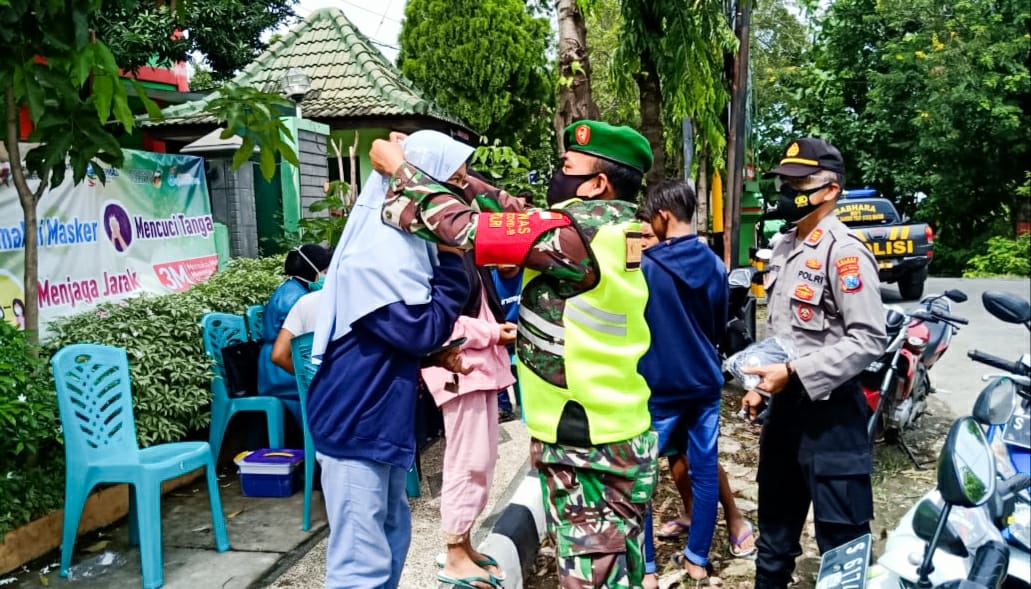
(793, 204)
(563, 186)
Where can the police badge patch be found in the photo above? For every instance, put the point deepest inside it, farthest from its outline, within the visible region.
(848, 274)
(805, 312)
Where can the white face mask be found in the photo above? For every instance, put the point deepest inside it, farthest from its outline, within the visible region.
(320, 277)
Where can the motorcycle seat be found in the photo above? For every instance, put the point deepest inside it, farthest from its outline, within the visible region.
(937, 333)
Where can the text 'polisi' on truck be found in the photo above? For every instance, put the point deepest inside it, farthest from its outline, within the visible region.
(903, 249)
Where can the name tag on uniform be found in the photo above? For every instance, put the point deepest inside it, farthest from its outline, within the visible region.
(634, 247)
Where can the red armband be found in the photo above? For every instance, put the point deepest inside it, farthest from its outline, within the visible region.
(506, 238)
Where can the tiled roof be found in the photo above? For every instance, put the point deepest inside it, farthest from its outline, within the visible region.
(349, 77)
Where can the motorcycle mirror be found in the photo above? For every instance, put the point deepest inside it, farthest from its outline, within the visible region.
(995, 403)
(966, 466)
(1006, 307)
(925, 520)
(955, 295)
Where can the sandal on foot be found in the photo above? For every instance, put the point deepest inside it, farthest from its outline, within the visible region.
(488, 561)
(467, 582)
(674, 529)
(735, 543)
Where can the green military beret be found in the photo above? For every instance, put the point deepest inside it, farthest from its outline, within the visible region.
(622, 145)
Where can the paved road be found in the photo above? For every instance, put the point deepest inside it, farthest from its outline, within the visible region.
(958, 378)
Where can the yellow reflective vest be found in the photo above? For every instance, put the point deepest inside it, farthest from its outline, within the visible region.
(578, 356)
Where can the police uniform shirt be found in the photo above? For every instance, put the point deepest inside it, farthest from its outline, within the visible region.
(824, 294)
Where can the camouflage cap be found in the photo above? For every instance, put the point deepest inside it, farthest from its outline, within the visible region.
(622, 145)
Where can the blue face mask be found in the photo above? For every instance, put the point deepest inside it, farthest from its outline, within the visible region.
(317, 284)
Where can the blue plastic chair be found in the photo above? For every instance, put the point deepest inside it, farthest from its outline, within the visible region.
(304, 371)
(254, 316)
(95, 401)
(220, 330)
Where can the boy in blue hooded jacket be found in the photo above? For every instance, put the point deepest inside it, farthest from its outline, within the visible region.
(687, 315)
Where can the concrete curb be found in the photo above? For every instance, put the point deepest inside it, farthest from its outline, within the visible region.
(513, 534)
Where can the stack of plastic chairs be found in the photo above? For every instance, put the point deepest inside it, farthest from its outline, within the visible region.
(254, 315)
(95, 402)
(220, 330)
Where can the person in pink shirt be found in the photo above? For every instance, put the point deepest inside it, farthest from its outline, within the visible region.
(469, 405)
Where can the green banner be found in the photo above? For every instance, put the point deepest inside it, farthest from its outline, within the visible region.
(147, 229)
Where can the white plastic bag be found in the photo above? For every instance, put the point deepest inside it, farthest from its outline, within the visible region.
(772, 350)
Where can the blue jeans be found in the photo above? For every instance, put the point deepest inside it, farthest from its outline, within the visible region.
(692, 428)
(370, 525)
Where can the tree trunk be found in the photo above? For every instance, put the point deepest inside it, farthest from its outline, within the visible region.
(575, 101)
(28, 201)
(651, 116)
(702, 188)
(736, 140)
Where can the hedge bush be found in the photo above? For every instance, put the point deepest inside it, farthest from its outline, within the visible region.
(169, 370)
(31, 475)
(161, 334)
(1005, 257)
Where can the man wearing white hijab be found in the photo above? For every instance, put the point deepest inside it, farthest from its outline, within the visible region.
(390, 300)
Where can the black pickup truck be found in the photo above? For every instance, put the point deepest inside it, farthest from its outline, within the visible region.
(903, 250)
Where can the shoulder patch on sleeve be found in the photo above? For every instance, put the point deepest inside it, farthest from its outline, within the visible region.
(849, 276)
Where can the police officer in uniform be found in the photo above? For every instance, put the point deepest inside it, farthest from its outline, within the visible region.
(823, 294)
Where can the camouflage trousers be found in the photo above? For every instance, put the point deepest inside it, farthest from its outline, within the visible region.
(595, 499)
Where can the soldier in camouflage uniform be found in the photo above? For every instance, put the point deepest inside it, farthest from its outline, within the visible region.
(581, 333)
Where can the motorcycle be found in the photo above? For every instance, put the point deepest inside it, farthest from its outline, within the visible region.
(741, 305)
(897, 384)
(950, 537)
(966, 537)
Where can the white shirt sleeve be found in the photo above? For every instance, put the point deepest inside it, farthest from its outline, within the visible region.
(303, 315)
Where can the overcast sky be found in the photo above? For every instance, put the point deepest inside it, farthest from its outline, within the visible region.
(379, 20)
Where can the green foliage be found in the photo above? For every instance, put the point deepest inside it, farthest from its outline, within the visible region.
(485, 62)
(72, 95)
(227, 32)
(329, 228)
(254, 116)
(604, 26)
(27, 405)
(161, 334)
(505, 168)
(30, 491)
(1005, 257)
(69, 79)
(780, 45)
(29, 434)
(931, 97)
(687, 45)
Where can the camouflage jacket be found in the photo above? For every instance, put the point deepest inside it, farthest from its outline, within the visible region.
(418, 204)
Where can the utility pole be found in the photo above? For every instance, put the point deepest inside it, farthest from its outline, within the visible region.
(736, 140)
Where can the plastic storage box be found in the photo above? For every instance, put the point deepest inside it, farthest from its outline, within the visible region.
(270, 472)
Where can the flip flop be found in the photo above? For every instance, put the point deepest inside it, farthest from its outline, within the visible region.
(736, 542)
(488, 561)
(673, 529)
(467, 582)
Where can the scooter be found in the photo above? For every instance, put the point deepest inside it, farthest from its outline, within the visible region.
(897, 384)
(1001, 410)
(947, 539)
